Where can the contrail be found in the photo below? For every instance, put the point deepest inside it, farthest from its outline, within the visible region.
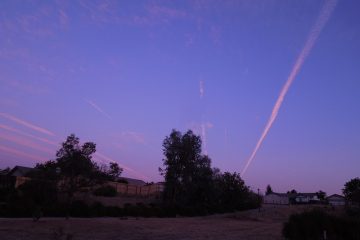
(202, 90)
(25, 142)
(98, 109)
(313, 36)
(27, 124)
(10, 129)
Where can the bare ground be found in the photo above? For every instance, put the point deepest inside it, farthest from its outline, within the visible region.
(252, 224)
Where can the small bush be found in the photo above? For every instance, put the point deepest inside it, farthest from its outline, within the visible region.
(105, 191)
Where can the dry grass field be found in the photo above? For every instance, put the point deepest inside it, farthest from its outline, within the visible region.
(252, 224)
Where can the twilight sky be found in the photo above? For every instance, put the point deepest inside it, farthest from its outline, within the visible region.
(124, 73)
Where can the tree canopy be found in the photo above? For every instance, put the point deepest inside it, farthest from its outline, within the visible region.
(74, 170)
(352, 190)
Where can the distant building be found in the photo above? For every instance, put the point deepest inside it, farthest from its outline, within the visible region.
(336, 200)
(291, 198)
(306, 198)
(277, 198)
(133, 181)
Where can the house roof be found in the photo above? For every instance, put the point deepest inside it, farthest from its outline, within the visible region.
(335, 195)
(20, 171)
(279, 194)
(4, 171)
(307, 194)
(133, 181)
(294, 194)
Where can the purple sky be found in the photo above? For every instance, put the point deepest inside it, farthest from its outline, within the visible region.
(124, 73)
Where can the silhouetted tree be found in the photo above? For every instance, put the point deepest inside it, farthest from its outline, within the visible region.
(114, 171)
(352, 190)
(188, 173)
(74, 169)
(268, 190)
(321, 195)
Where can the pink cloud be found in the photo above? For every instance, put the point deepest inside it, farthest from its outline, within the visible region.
(27, 124)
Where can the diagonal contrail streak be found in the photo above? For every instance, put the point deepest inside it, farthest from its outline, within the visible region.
(313, 36)
(97, 108)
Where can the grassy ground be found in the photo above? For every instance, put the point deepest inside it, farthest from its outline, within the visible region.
(252, 224)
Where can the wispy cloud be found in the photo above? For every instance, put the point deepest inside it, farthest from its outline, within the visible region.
(101, 12)
(313, 36)
(97, 108)
(27, 124)
(159, 14)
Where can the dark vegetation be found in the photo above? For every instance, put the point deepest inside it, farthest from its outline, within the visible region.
(192, 186)
(317, 224)
(352, 191)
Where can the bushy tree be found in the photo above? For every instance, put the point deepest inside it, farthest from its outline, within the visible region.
(231, 191)
(74, 170)
(351, 190)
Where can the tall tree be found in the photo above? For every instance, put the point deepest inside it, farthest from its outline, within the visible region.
(187, 172)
